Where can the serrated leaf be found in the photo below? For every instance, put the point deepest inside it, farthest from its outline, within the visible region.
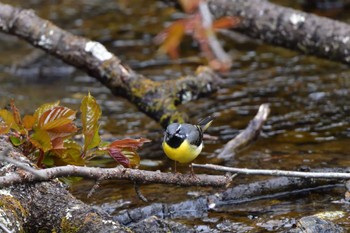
(56, 117)
(57, 121)
(28, 122)
(41, 139)
(43, 108)
(90, 114)
(9, 120)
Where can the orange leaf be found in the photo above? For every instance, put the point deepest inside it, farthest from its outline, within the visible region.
(4, 128)
(57, 144)
(58, 120)
(226, 22)
(15, 112)
(43, 108)
(172, 38)
(28, 121)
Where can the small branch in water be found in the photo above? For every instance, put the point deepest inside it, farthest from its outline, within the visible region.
(248, 135)
(266, 172)
(138, 192)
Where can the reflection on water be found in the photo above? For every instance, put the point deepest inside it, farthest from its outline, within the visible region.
(308, 125)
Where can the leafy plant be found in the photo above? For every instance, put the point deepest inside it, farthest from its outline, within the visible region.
(48, 135)
(199, 25)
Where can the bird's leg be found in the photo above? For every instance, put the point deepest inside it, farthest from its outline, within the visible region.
(192, 171)
(175, 166)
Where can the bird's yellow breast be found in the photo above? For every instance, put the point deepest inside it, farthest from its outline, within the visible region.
(185, 153)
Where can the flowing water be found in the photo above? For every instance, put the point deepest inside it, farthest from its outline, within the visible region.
(308, 124)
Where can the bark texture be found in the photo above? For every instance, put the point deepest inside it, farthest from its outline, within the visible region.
(293, 29)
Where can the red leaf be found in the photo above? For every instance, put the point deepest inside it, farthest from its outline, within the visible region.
(129, 143)
(124, 151)
(118, 156)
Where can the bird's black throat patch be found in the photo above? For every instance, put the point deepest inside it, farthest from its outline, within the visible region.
(174, 141)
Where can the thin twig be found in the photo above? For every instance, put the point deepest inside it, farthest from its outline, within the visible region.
(138, 192)
(267, 172)
(4, 228)
(24, 166)
(96, 185)
(248, 135)
(207, 23)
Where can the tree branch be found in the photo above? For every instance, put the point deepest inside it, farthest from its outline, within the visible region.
(119, 173)
(248, 135)
(289, 28)
(156, 99)
(267, 172)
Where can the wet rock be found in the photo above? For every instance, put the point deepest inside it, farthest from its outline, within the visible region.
(312, 224)
(155, 224)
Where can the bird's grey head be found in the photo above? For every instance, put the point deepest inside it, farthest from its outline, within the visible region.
(174, 135)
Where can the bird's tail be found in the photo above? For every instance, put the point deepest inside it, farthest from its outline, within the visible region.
(206, 122)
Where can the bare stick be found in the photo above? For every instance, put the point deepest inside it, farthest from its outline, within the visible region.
(247, 135)
(119, 173)
(4, 228)
(18, 164)
(266, 172)
(214, 43)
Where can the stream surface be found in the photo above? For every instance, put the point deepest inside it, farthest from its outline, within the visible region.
(309, 98)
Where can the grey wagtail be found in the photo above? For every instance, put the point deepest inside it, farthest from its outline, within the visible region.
(183, 142)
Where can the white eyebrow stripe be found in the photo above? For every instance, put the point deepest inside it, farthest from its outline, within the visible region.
(178, 128)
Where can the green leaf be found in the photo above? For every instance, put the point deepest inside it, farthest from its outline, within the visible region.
(90, 114)
(41, 139)
(9, 120)
(70, 154)
(16, 141)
